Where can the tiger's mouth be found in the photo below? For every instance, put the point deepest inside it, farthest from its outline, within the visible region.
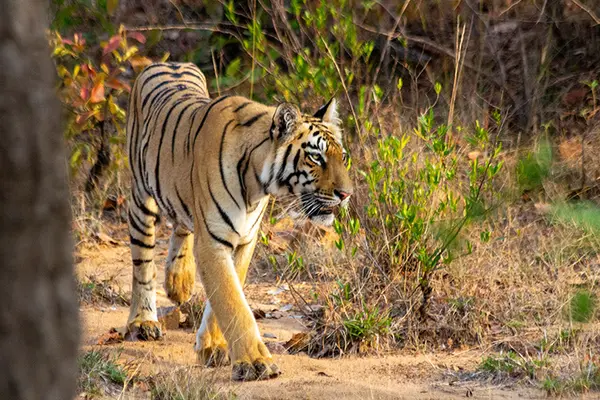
(317, 211)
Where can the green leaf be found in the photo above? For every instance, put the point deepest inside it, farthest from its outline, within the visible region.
(233, 68)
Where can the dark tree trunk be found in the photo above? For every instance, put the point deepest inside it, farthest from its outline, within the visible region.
(38, 309)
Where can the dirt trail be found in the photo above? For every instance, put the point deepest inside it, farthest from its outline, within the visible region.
(394, 376)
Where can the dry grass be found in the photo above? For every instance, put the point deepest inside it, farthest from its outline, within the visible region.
(187, 383)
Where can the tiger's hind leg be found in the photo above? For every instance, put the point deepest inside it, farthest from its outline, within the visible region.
(143, 319)
(180, 274)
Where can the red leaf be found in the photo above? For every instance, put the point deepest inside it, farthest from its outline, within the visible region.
(118, 84)
(88, 69)
(97, 93)
(113, 44)
(137, 36)
(84, 93)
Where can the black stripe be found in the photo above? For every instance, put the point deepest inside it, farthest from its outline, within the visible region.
(139, 243)
(191, 123)
(138, 220)
(243, 164)
(158, 195)
(175, 131)
(221, 164)
(252, 120)
(138, 262)
(241, 178)
(134, 225)
(242, 106)
(162, 100)
(170, 209)
(283, 163)
(184, 206)
(132, 115)
(212, 235)
(143, 208)
(160, 89)
(296, 160)
(260, 217)
(223, 214)
(210, 107)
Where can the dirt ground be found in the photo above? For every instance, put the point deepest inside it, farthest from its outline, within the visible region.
(392, 376)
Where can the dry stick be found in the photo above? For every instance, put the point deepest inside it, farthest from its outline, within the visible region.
(253, 48)
(387, 45)
(212, 55)
(510, 8)
(587, 10)
(337, 68)
(178, 11)
(460, 37)
(442, 50)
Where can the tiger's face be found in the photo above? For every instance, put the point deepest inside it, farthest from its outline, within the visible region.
(311, 164)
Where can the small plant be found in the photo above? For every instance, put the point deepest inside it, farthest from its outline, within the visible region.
(583, 306)
(94, 91)
(512, 365)
(95, 290)
(97, 370)
(534, 167)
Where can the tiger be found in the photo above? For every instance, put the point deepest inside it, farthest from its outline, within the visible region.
(210, 166)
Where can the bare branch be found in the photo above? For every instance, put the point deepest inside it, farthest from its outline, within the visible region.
(587, 10)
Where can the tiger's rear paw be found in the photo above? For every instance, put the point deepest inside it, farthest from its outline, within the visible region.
(179, 285)
(216, 356)
(145, 330)
(257, 370)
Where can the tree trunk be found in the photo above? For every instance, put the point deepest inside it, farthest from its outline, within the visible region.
(38, 309)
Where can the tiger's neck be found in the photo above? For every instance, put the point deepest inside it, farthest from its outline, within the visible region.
(256, 163)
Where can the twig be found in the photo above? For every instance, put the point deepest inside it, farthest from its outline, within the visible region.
(343, 81)
(212, 55)
(442, 50)
(587, 10)
(390, 36)
(510, 8)
(460, 37)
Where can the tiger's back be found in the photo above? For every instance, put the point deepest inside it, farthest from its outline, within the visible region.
(166, 99)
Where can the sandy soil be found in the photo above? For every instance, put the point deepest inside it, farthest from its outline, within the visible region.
(390, 376)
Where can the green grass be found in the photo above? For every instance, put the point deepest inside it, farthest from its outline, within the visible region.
(98, 369)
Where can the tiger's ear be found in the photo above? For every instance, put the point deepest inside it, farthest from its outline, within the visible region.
(285, 120)
(328, 112)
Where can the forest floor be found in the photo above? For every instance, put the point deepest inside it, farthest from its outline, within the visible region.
(395, 375)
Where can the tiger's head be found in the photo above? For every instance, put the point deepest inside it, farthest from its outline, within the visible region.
(311, 164)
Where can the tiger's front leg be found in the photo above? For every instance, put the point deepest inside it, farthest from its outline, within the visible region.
(250, 357)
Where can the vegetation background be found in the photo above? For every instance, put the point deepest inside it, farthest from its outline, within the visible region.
(473, 128)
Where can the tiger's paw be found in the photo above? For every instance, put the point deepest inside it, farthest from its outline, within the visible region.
(258, 369)
(179, 285)
(214, 356)
(145, 330)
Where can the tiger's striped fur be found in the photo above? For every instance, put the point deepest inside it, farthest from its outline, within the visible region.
(210, 166)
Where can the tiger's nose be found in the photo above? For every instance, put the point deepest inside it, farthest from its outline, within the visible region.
(341, 194)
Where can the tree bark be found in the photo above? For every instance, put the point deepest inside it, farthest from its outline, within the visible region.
(38, 309)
